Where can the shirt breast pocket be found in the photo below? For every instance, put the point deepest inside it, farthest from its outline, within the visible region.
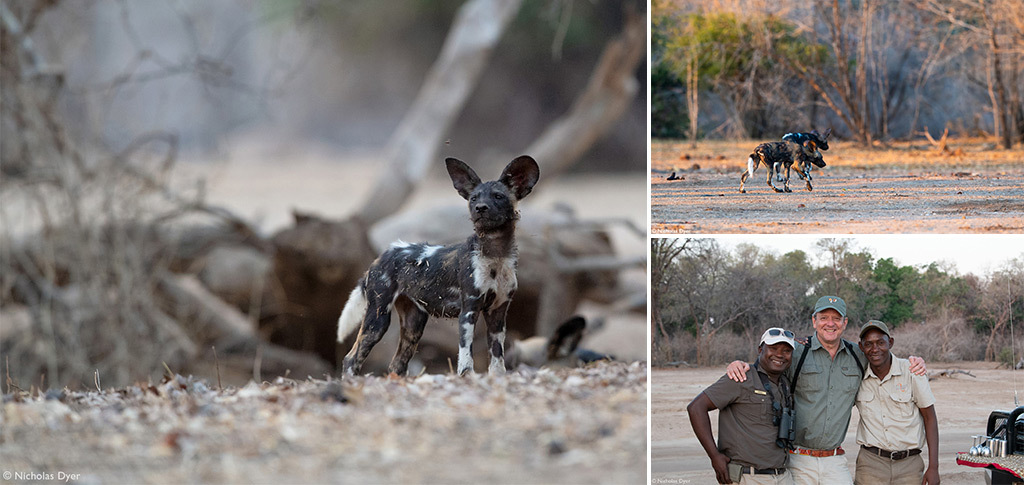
(811, 376)
(904, 402)
(758, 404)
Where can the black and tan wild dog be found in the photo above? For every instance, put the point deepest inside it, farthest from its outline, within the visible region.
(821, 140)
(777, 155)
(467, 280)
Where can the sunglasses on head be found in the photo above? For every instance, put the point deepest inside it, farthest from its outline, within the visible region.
(775, 332)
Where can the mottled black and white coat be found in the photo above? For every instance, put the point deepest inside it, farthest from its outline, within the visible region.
(778, 155)
(474, 279)
(821, 140)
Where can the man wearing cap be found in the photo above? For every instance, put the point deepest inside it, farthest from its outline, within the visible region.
(897, 417)
(825, 380)
(749, 449)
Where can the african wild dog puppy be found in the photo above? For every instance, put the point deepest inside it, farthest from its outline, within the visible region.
(820, 140)
(777, 155)
(476, 277)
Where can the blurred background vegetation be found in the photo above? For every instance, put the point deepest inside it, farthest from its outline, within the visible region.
(710, 304)
(873, 69)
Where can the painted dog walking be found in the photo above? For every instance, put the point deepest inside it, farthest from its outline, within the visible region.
(467, 280)
(777, 155)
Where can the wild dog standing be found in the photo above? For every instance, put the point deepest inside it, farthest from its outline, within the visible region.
(777, 155)
(476, 277)
(821, 140)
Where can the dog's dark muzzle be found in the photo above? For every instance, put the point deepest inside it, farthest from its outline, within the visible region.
(818, 162)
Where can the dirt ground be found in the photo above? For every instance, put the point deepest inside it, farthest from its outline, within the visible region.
(584, 425)
(963, 405)
(907, 188)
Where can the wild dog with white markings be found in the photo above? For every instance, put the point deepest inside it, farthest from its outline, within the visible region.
(821, 140)
(468, 280)
(777, 155)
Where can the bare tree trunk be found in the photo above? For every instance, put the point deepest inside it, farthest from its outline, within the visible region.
(478, 26)
(999, 103)
(611, 87)
(692, 95)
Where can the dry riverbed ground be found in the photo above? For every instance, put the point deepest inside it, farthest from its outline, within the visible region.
(963, 405)
(583, 425)
(905, 188)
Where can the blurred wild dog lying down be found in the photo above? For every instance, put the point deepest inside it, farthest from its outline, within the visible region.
(559, 350)
(467, 280)
(777, 155)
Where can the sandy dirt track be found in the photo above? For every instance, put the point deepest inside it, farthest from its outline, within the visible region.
(909, 190)
(963, 406)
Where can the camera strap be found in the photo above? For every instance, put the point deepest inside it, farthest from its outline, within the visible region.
(777, 410)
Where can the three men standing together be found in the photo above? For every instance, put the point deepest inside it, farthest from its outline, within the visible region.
(829, 376)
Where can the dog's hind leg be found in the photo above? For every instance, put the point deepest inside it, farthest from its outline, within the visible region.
(771, 171)
(375, 324)
(496, 338)
(412, 320)
(751, 166)
(789, 167)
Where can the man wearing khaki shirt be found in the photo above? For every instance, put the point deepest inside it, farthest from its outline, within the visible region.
(897, 417)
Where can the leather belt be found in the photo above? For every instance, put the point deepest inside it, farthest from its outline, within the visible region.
(762, 471)
(892, 455)
(819, 453)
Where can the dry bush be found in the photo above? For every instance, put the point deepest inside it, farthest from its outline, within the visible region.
(724, 347)
(941, 340)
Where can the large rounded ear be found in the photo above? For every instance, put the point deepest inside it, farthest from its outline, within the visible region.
(520, 175)
(827, 133)
(810, 146)
(463, 178)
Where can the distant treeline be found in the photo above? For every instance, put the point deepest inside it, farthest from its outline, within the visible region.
(873, 69)
(701, 290)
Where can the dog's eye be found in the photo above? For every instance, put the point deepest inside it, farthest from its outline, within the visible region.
(499, 196)
(473, 197)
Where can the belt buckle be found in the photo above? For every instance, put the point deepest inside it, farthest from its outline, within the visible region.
(897, 455)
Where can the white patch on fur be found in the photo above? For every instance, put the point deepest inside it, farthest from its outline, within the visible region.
(352, 316)
(497, 366)
(400, 244)
(503, 281)
(428, 252)
(750, 165)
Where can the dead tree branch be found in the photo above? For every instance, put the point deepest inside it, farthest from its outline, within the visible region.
(478, 26)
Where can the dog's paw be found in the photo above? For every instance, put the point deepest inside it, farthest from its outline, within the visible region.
(809, 188)
(788, 189)
(742, 191)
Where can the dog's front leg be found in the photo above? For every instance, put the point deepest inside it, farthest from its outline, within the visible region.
(788, 168)
(467, 322)
(495, 319)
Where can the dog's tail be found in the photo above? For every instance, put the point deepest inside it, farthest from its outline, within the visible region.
(353, 313)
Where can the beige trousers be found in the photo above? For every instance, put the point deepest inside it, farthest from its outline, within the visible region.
(876, 470)
(784, 479)
(809, 470)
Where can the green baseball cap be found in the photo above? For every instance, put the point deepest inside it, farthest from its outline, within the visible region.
(833, 302)
(875, 324)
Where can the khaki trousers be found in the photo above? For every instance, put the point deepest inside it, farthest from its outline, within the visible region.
(809, 470)
(784, 479)
(873, 469)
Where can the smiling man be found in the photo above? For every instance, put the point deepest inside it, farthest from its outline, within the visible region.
(897, 417)
(825, 381)
(749, 449)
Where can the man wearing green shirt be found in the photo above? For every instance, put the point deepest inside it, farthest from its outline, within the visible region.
(825, 387)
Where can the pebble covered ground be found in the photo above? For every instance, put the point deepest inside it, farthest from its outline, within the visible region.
(584, 425)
